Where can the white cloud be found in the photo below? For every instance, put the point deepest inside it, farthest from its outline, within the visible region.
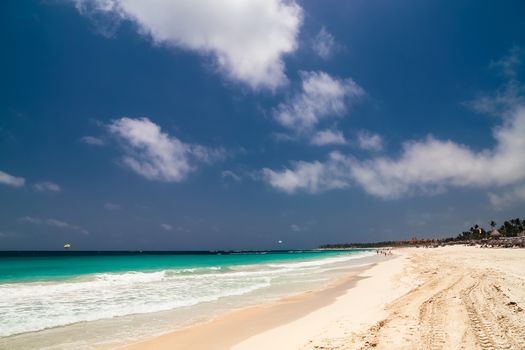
(501, 102)
(369, 141)
(302, 227)
(508, 197)
(31, 220)
(283, 137)
(328, 137)
(156, 155)
(91, 140)
(166, 227)
(47, 186)
(57, 223)
(7, 234)
(432, 164)
(429, 165)
(11, 180)
(323, 44)
(508, 65)
(424, 166)
(511, 94)
(54, 223)
(228, 174)
(247, 39)
(321, 97)
(111, 206)
(295, 228)
(312, 177)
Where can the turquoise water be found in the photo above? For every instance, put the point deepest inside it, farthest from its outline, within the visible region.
(74, 299)
(36, 266)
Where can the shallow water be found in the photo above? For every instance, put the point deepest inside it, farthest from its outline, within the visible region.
(73, 300)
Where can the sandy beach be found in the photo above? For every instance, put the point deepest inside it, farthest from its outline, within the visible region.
(442, 298)
(262, 175)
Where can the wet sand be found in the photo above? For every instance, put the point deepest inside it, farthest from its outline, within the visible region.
(442, 298)
(351, 302)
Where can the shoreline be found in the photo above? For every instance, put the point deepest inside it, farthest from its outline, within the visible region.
(247, 327)
(452, 297)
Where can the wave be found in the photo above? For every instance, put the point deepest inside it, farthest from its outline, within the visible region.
(107, 297)
(35, 306)
(321, 262)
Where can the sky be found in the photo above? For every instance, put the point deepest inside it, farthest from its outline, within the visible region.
(176, 125)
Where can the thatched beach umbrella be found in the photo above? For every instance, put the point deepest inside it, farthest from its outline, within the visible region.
(495, 234)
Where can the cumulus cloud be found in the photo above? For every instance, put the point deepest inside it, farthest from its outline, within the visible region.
(47, 186)
(54, 223)
(328, 137)
(11, 180)
(369, 141)
(246, 39)
(156, 155)
(323, 44)
(424, 166)
(429, 165)
(321, 97)
(311, 177)
(91, 140)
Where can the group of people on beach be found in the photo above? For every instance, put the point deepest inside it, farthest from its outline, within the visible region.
(386, 251)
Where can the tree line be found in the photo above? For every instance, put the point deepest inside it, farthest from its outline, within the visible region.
(510, 228)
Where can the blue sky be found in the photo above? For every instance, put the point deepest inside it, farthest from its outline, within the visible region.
(193, 125)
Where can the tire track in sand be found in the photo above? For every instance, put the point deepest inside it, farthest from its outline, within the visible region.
(489, 319)
(433, 315)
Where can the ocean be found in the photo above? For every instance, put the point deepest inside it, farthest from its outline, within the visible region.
(81, 300)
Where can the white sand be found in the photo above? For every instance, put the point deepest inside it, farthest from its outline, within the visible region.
(443, 298)
(327, 315)
(359, 307)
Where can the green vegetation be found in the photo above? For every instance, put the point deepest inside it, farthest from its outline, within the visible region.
(510, 228)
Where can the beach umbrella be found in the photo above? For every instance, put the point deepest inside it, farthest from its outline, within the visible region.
(495, 233)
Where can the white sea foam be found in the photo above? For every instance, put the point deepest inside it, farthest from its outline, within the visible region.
(198, 269)
(28, 307)
(33, 306)
(130, 277)
(321, 262)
